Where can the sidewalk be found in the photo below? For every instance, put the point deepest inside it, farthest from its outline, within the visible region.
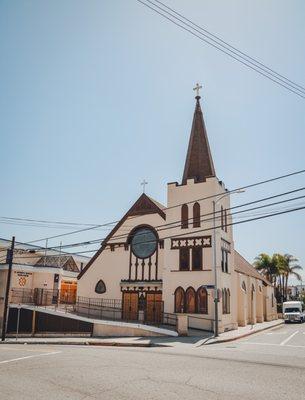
(82, 341)
(241, 332)
(195, 339)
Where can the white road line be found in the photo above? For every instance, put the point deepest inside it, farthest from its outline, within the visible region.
(32, 356)
(287, 339)
(272, 344)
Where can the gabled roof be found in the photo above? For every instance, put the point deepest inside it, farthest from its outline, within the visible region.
(67, 263)
(144, 205)
(199, 163)
(242, 266)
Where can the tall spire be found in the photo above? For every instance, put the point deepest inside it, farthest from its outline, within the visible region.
(199, 163)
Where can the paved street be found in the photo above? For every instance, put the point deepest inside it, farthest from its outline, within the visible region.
(268, 365)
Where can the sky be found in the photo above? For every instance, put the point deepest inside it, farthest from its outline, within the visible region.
(96, 96)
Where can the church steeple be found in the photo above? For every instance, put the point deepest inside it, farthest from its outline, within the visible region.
(199, 163)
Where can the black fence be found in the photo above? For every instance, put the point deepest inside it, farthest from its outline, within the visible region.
(111, 309)
(42, 297)
(44, 323)
(106, 309)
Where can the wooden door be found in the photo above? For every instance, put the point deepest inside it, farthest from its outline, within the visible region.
(154, 307)
(130, 306)
(68, 292)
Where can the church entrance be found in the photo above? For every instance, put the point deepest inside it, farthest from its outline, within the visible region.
(142, 306)
(130, 306)
(154, 307)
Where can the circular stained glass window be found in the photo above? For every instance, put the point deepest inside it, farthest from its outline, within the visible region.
(144, 243)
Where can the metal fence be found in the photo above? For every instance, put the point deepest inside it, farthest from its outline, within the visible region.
(42, 297)
(106, 309)
(111, 309)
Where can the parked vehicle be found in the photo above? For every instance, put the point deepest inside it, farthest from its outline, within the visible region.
(293, 311)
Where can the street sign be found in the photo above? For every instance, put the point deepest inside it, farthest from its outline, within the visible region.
(207, 286)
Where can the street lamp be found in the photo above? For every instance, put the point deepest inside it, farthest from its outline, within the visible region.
(214, 256)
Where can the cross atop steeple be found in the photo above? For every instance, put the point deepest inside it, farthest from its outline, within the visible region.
(144, 183)
(197, 88)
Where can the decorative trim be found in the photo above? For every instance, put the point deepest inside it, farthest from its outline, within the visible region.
(193, 241)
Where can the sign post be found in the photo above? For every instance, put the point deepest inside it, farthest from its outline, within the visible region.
(18, 320)
(10, 255)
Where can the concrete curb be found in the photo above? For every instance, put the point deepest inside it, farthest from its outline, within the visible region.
(241, 336)
(85, 343)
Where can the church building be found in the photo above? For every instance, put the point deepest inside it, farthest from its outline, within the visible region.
(161, 260)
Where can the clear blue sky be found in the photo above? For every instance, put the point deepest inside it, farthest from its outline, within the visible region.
(97, 95)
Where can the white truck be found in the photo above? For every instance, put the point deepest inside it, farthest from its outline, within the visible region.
(293, 311)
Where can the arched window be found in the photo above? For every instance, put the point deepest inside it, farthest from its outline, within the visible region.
(202, 301)
(224, 301)
(228, 301)
(196, 215)
(184, 216)
(190, 301)
(272, 300)
(100, 287)
(252, 291)
(226, 220)
(244, 287)
(179, 300)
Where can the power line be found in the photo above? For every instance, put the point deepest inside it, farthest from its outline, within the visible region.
(46, 221)
(217, 227)
(70, 233)
(229, 224)
(201, 220)
(180, 204)
(34, 225)
(228, 46)
(274, 79)
(178, 222)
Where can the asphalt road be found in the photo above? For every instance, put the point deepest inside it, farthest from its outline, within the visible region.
(269, 365)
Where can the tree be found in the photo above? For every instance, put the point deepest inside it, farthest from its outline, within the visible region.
(290, 269)
(278, 268)
(268, 266)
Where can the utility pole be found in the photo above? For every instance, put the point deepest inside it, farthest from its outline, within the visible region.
(10, 255)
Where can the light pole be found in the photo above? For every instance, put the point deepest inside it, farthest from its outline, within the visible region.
(216, 300)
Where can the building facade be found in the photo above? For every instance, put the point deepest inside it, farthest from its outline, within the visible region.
(161, 258)
(35, 273)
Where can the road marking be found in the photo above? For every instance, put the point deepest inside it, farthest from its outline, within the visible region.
(273, 344)
(32, 356)
(24, 348)
(289, 338)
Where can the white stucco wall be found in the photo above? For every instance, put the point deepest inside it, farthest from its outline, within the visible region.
(113, 266)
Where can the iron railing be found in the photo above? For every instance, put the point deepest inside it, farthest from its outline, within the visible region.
(105, 309)
(42, 297)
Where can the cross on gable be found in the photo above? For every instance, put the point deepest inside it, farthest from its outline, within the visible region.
(144, 183)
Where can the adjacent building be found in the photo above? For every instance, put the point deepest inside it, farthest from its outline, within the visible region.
(40, 274)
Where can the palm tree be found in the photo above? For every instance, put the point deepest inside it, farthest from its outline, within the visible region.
(278, 268)
(290, 268)
(268, 266)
